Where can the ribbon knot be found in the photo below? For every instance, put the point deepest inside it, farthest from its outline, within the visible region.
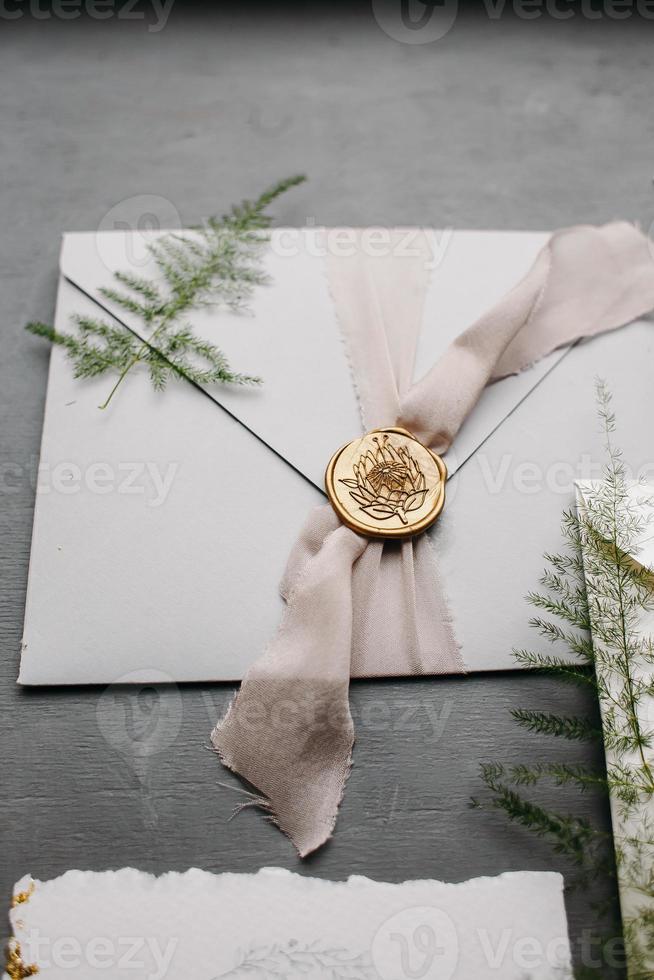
(359, 607)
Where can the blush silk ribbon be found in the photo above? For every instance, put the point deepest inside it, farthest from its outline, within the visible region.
(360, 607)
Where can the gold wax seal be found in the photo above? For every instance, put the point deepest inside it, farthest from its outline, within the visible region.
(386, 484)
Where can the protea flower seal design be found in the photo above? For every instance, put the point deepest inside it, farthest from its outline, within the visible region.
(386, 484)
(387, 481)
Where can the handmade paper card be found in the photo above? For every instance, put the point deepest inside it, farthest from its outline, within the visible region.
(272, 924)
(163, 523)
(617, 536)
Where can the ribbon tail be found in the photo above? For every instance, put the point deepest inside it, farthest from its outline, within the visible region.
(584, 282)
(402, 622)
(289, 731)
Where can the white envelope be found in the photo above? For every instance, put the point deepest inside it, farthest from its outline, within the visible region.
(163, 524)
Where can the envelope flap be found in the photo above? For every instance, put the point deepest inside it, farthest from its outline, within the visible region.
(640, 503)
(307, 407)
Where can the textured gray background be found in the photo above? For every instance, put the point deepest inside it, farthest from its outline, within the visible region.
(503, 124)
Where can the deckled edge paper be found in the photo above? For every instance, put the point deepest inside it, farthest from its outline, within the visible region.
(635, 905)
(201, 926)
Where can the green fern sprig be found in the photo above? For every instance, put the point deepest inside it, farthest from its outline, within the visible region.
(546, 723)
(596, 585)
(553, 666)
(569, 835)
(561, 773)
(216, 264)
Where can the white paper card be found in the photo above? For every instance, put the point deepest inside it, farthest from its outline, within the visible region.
(200, 926)
(638, 822)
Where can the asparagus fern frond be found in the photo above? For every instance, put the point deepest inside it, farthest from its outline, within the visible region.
(215, 265)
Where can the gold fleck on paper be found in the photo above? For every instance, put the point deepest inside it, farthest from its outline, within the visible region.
(21, 897)
(15, 969)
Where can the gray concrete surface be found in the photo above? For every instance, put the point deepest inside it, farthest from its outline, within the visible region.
(500, 124)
